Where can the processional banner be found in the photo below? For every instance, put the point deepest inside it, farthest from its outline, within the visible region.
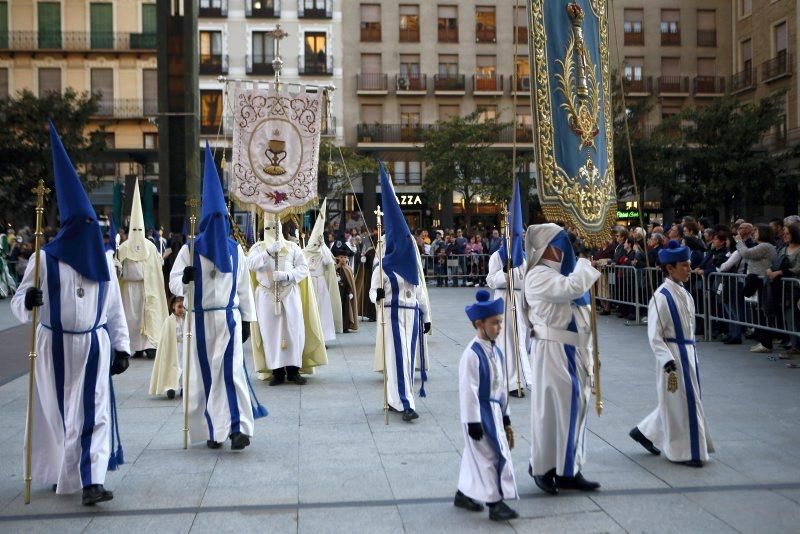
(573, 115)
(276, 137)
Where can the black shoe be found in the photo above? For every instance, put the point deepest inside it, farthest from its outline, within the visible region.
(501, 512)
(409, 415)
(393, 409)
(211, 444)
(516, 393)
(239, 441)
(637, 436)
(297, 379)
(694, 463)
(733, 341)
(150, 354)
(546, 482)
(94, 494)
(54, 488)
(276, 381)
(577, 483)
(462, 501)
(170, 394)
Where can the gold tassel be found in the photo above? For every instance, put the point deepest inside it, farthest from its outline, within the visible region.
(672, 382)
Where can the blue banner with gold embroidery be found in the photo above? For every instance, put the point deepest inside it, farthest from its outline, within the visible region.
(571, 105)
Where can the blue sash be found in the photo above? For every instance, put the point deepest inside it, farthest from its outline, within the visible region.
(572, 438)
(485, 399)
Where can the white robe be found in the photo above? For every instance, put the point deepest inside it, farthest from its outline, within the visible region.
(487, 473)
(220, 400)
(168, 365)
(561, 366)
(412, 307)
(283, 321)
(316, 268)
(133, 300)
(497, 280)
(60, 454)
(678, 425)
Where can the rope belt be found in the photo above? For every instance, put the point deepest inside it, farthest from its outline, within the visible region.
(680, 341)
(218, 308)
(403, 306)
(72, 332)
(567, 337)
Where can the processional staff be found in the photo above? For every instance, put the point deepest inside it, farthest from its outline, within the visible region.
(192, 203)
(379, 252)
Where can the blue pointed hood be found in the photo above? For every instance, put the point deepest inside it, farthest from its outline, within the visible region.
(79, 242)
(401, 249)
(213, 241)
(112, 236)
(516, 228)
(562, 242)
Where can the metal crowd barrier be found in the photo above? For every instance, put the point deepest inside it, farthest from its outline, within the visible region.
(456, 269)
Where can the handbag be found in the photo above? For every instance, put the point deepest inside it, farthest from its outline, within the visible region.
(752, 283)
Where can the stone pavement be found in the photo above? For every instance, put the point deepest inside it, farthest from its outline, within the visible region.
(324, 461)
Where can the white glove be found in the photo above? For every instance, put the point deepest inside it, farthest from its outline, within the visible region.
(280, 276)
(363, 259)
(274, 248)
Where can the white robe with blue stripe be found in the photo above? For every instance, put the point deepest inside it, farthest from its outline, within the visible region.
(71, 408)
(678, 425)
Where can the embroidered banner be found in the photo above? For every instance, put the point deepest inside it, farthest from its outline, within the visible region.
(571, 105)
(276, 136)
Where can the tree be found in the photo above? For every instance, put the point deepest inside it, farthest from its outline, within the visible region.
(25, 146)
(459, 157)
(340, 170)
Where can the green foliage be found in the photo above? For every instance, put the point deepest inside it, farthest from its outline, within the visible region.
(342, 169)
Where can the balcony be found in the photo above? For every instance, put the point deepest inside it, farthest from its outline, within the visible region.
(391, 134)
(524, 134)
(208, 127)
(214, 9)
(262, 9)
(315, 9)
(77, 41)
(634, 38)
(449, 84)
(521, 85)
(409, 35)
(372, 83)
(315, 66)
(487, 84)
(776, 68)
(411, 84)
(125, 108)
(671, 39)
(709, 85)
(371, 34)
(673, 85)
(260, 64)
(707, 38)
(641, 87)
(743, 80)
(448, 35)
(485, 35)
(213, 64)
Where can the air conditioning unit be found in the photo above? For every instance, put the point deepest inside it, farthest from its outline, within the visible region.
(402, 84)
(525, 84)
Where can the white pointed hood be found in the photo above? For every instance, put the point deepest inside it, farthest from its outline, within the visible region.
(136, 245)
(271, 222)
(317, 238)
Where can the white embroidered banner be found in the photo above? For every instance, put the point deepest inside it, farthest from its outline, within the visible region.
(276, 137)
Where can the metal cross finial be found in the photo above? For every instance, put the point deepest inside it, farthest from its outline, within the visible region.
(378, 213)
(40, 190)
(277, 63)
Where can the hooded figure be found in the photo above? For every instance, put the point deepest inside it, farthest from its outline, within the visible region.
(81, 326)
(401, 296)
(343, 252)
(366, 309)
(323, 274)
(142, 284)
(556, 307)
(222, 403)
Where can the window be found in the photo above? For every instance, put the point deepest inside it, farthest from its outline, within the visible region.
(706, 81)
(778, 65)
(449, 111)
(745, 7)
(3, 24)
(315, 9)
(485, 74)
(671, 80)
(522, 74)
(102, 24)
(49, 81)
(213, 8)
(210, 46)
(409, 115)
(316, 58)
(150, 91)
(448, 24)
(263, 48)
(103, 85)
(746, 54)
(370, 22)
(633, 26)
(210, 111)
(448, 65)
(487, 113)
(3, 83)
(485, 24)
(634, 75)
(371, 114)
(371, 77)
(150, 141)
(706, 27)
(414, 176)
(706, 66)
(521, 25)
(147, 38)
(670, 27)
(410, 78)
(106, 168)
(409, 24)
(261, 8)
(779, 38)
(49, 17)
(524, 124)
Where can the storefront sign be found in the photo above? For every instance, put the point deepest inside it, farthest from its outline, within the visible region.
(628, 214)
(413, 199)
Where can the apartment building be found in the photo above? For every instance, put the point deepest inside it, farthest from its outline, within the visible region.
(410, 64)
(108, 48)
(236, 41)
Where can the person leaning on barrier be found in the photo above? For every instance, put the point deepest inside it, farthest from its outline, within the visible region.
(758, 260)
(786, 298)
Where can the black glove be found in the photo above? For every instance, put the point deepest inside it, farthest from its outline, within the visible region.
(245, 331)
(188, 275)
(426, 328)
(475, 431)
(380, 294)
(505, 267)
(670, 367)
(120, 363)
(506, 420)
(33, 298)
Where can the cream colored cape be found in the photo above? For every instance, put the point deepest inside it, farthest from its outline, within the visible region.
(155, 303)
(166, 373)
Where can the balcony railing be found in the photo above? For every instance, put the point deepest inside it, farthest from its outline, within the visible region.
(315, 9)
(209, 127)
(485, 35)
(487, 83)
(673, 84)
(213, 64)
(262, 9)
(449, 82)
(706, 37)
(709, 85)
(126, 108)
(392, 133)
(371, 34)
(448, 35)
(522, 84)
(76, 41)
(411, 83)
(260, 64)
(745, 79)
(671, 39)
(213, 9)
(409, 35)
(776, 67)
(308, 65)
(372, 81)
(524, 134)
(642, 86)
(634, 38)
